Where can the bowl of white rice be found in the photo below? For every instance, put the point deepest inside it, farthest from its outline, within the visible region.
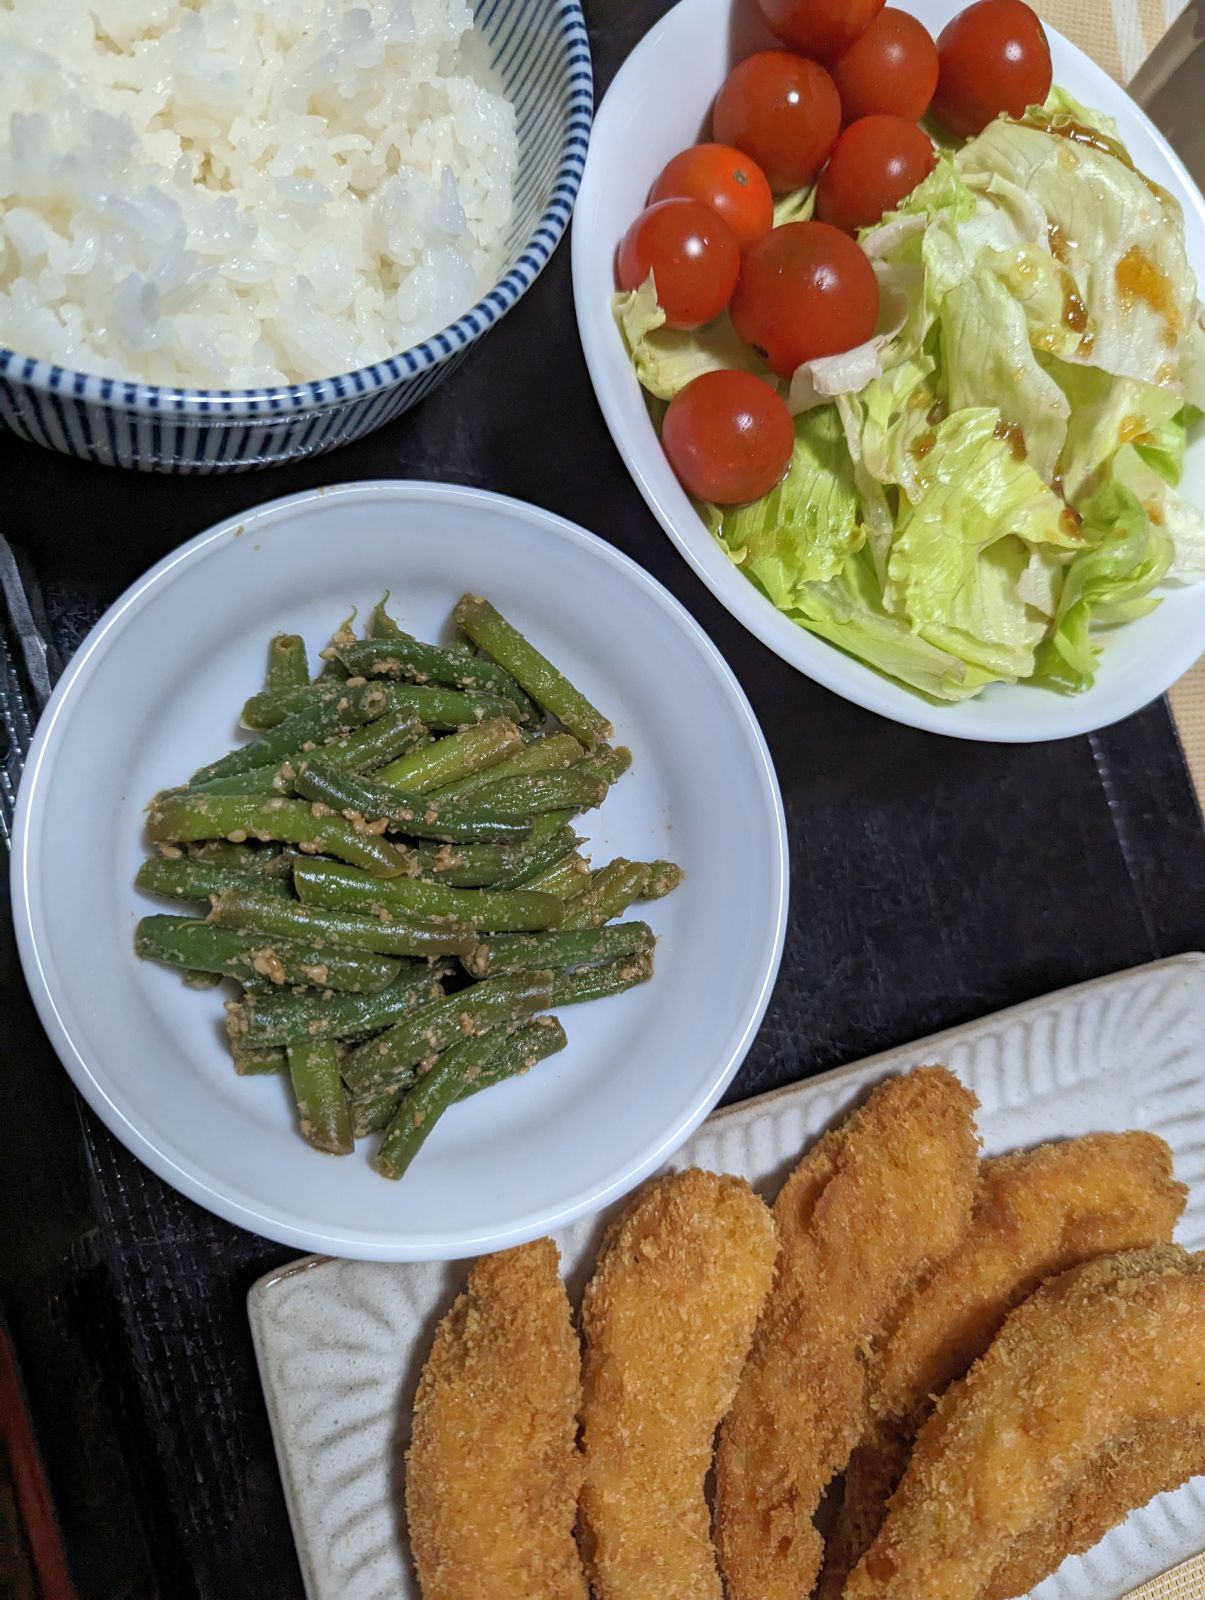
(236, 232)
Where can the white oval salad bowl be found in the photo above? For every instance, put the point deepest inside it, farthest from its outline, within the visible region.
(658, 104)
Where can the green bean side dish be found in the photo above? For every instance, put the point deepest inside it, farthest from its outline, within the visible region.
(393, 878)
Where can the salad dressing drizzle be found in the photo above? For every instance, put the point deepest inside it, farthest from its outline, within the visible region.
(1064, 126)
(1139, 278)
(1014, 435)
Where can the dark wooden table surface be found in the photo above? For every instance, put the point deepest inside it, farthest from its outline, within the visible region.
(932, 881)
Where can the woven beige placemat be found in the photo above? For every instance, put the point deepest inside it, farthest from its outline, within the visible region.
(1120, 34)
(1186, 1582)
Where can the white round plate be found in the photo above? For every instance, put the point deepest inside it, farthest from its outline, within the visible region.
(660, 102)
(155, 691)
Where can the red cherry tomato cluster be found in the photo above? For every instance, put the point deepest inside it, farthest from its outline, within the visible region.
(840, 104)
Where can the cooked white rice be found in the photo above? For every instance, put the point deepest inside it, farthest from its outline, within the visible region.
(227, 193)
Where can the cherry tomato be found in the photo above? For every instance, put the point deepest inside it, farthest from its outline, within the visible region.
(805, 291)
(728, 437)
(693, 258)
(878, 160)
(891, 69)
(819, 27)
(993, 57)
(719, 176)
(784, 112)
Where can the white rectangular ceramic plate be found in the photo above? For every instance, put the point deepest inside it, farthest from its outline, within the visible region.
(340, 1343)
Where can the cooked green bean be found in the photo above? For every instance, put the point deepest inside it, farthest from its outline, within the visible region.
(491, 632)
(337, 887)
(568, 877)
(611, 892)
(277, 1019)
(530, 1043)
(400, 658)
(353, 848)
(597, 983)
(381, 625)
(200, 946)
(473, 750)
(608, 762)
(441, 709)
(271, 706)
(419, 816)
(543, 755)
(382, 740)
(287, 664)
(240, 857)
(240, 908)
(322, 1110)
(385, 1062)
(537, 792)
(238, 817)
(662, 878)
(332, 668)
(304, 730)
(266, 780)
(190, 879)
(499, 866)
(556, 951)
(252, 1062)
(421, 1108)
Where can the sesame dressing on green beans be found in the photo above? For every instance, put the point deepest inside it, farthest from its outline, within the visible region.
(188, 879)
(470, 751)
(287, 664)
(544, 755)
(437, 708)
(385, 936)
(307, 729)
(247, 955)
(530, 1043)
(566, 878)
(498, 866)
(427, 663)
(578, 947)
(438, 1088)
(252, 1062)
(611, 892)
(337, 887)
(279, 1019)
(322, 1110)
(389, 870)
(548, 687)
(419, 816)
(316, 829)
(388, 1060)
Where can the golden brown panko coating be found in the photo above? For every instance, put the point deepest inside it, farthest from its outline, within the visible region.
(1037, 1213)
(493, 1469)
(668, 1318)
(866, 1213)
(1122, 1477)
(1096, 1361)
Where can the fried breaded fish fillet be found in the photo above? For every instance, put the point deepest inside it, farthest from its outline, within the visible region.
(870, 1208)
(1123, 1476)
(1037, 1213)
(668, 1318)
(1103, 1358)
(493, 1469)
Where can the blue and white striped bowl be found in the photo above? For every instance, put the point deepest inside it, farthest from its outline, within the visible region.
(541, 54)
